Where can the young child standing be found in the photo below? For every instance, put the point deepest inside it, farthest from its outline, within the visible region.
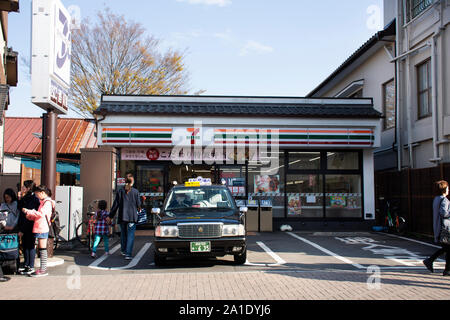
(101, 228)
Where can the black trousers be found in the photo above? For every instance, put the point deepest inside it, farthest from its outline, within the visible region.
(29, 249)
(445, 249)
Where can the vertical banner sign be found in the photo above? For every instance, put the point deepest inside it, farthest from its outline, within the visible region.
(50, 56)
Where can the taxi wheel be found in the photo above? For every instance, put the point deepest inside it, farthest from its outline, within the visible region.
(240, 258)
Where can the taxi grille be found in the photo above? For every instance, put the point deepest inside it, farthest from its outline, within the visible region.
(199, 230)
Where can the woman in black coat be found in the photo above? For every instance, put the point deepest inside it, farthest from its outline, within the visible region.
(28, 201)
(127, 202)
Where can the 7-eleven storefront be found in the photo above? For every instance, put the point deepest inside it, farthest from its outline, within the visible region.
(315, 164)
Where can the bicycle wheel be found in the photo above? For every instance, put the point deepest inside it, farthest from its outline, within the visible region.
(55, 243)
(400, 225)
(79, 234)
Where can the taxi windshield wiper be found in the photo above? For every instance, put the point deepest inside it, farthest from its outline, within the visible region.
(183, 209)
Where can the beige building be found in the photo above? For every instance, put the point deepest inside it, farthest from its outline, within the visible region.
(369, 73)
(8, 66)
(412, 73)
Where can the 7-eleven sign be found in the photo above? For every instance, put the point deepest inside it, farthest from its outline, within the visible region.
(194, 135)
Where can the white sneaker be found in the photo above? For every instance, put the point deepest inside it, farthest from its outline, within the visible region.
(93, 255)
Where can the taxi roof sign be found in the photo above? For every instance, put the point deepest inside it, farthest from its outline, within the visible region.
(192, 184)
(197, 182)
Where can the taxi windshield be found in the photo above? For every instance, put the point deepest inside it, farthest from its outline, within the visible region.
(199, 201)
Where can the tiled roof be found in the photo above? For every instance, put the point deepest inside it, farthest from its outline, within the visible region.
(72, 134)
(234, 109)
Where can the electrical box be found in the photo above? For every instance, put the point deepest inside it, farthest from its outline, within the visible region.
(69, 204)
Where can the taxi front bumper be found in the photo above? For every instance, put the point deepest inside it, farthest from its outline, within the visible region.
(182, 247)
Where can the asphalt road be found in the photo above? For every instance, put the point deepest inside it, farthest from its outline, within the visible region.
(280, 251)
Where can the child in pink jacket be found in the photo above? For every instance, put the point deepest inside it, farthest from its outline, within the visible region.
(41, 219)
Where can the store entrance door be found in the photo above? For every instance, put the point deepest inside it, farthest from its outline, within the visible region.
(182, 173)
(151, 181)
(235, 177)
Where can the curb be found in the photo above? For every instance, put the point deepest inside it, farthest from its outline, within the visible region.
(51, 262)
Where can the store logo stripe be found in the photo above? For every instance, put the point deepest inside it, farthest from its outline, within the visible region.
(151, 129)
(360, 137)
(152, 141)
(150, 135)
(116, 129)
(323, 136)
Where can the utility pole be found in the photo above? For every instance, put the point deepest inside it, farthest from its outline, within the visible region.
(48, 162)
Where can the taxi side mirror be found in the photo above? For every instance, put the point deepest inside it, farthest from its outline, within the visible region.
(156, 211)
(242, 213)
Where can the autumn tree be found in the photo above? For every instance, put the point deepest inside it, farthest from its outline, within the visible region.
(115, 56)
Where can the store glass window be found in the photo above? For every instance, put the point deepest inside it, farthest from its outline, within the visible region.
(267, 183)
(304, 195)
(342, 161)
(234, 178)
(304, 160)
(343, 196)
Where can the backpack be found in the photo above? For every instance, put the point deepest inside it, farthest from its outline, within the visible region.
(54, 225)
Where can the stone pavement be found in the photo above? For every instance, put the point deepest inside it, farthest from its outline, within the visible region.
(253, 285)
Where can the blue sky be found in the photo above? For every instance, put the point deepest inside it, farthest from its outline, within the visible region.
(233, 47)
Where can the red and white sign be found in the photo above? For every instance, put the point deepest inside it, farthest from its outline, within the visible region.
(152, 154)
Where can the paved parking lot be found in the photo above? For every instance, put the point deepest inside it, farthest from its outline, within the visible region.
(280, 266)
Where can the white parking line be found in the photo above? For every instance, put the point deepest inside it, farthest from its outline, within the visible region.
(277, 258)
(356, 265)
(103, 257)
(132, 263)
(271, 253)
(412, 240)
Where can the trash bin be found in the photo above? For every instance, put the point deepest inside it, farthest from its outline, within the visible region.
(252, 217)
(265, 216)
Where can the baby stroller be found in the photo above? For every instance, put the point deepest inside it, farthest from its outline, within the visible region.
(9, 251)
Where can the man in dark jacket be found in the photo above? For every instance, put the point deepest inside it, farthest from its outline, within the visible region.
(27, 200)
(441, 217)
(127, 202)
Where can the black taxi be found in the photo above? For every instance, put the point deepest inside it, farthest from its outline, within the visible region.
(199, 219)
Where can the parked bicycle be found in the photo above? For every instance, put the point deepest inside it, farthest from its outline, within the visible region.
(393, 221)
(87, 225)
(87, 239)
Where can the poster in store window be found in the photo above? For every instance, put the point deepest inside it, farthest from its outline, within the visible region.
(266, 183)
(338, 201)
(294, 204)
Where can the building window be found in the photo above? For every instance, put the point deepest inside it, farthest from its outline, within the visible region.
(389, 104)
(424, 89)
(304, 160)
(267, 183)
(342, 160)
(304, 195)
(324, 184)
(415, 8)
(343, 196)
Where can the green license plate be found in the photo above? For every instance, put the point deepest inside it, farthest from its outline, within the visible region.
(204, 246)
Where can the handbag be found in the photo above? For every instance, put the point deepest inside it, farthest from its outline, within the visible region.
(444, 236)
(142, 217)
(9, 246)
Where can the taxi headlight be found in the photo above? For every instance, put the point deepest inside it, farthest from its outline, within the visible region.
(231, 230)
(166, 231)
